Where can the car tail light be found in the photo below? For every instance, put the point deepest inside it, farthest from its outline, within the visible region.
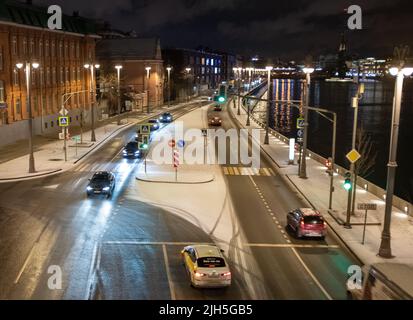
(302, 224)
(226, 274)
(199, 275)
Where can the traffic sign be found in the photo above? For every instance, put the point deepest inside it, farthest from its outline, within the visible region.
(76, 138)
(63, 121)
(145, 128)
(181, 143)
(300, 133)
(176, 158)
(300, 123)
(172, 143)
(204, 132)
(63, 112)
(353, 156)
(367, 206)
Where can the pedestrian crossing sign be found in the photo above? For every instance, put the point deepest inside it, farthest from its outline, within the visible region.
(63, 121)
(145, 129)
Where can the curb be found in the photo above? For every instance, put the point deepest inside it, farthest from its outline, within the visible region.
(41, 175)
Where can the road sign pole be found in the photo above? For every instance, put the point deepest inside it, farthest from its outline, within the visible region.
(364, 230)
(65, 143)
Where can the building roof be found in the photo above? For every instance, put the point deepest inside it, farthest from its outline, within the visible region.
(129, 48)
(35, 16)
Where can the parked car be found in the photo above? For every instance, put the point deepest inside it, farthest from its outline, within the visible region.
(102, 182)
(307, 223)
(206, 266)
(384, 281)
(131, 150)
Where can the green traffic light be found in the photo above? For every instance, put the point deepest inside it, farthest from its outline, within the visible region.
(144, 146)
(221, 99)
(347, 185)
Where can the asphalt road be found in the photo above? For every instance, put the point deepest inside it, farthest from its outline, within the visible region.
(288, 270)
(125, 249)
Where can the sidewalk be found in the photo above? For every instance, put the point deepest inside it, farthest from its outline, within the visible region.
(49, 153)
(316, 191)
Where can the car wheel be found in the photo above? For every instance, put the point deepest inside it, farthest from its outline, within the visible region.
(297, 233)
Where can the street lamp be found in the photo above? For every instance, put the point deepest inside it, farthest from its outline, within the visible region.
(267, 122)
(303, 165)
(148, 70)
(118, 68)
(188, 70)
(92, 68)
(29, 65)
(169, 69)
(399, 72)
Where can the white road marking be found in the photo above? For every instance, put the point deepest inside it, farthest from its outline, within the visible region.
(147, 243)
(92, 273)
(168, 273)
(312, 275)
(283, 245)
(25, 264)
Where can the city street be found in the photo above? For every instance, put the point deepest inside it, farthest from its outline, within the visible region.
(127, 249)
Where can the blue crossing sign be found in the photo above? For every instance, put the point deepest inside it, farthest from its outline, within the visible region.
(63, 121)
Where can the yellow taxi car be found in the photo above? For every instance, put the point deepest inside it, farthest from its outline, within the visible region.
(206, 266)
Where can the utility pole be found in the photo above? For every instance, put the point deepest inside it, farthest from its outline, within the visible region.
(303, 165)
(267, 122)
(118, 68)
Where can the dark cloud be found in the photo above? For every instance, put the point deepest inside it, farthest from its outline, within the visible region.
(283, 28)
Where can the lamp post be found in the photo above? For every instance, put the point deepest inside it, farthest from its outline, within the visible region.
(148, 73)
(28, 67)
(169, 85)
(399, 72)
(303, 164)
(92, 68)
(267, 122)
(188, 70)
(118, 68)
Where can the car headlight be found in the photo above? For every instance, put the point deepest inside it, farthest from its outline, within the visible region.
(125, 152)
(89, 188)
(106, 189)
(169, 118)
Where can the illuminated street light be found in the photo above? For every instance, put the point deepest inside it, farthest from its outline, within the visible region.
(399, 72)
(303, 165)
(28, 73)
(169, 69)
(118, 68)
(92, 68)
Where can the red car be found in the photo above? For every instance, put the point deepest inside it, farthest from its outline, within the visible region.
(215, 121)
(307, 223)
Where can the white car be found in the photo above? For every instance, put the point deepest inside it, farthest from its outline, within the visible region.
(206, 266)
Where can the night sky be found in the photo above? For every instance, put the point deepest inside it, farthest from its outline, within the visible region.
(286, 29)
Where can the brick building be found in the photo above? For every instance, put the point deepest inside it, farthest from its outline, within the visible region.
(61, 54)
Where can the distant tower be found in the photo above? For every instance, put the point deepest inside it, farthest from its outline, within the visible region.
(342, 58)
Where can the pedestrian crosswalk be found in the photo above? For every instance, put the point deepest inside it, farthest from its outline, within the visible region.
(247, 171)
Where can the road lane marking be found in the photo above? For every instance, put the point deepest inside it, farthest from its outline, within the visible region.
(312, 275)
(168, 273)
(92, 273)
(148, 243)
(26, 262)
(283, 245)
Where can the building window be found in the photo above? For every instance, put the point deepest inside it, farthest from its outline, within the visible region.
(41, 48)
(61, 75)
(15, 77)
(207, 61)
(54, 76)
(212, 62)
(1, 58)
(60, 49)
(31, 48)
(35, 104)
(203, 61)
(73, 74)
(2, 91)
(46, 49)
(41, 76)
(48, 76)
(66, 50)
(67, 75)
(33, 77)
(77, 50)
(53, 52)
(18, 106)
(14, 45)
(24, 42)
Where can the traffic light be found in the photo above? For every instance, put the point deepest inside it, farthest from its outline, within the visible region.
(222, 93)
(347, 182)
(143, 146)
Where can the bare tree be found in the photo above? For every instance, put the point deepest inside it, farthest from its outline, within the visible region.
(108, 90)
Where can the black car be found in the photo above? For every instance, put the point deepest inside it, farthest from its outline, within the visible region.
(131, 150)
(102, 182)
(154, 124)
(166, 117)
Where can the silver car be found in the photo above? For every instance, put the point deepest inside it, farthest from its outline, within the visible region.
(206, 266)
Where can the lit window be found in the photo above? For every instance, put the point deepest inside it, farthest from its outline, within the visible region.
(14, 41)
(207, 61)
(1, 58)
(2, 91)
(212, 62)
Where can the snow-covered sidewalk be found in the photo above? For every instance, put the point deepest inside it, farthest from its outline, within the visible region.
(50, 158)
(315, 190)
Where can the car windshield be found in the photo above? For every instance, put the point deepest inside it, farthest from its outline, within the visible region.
(313, 220)
(100, 177)
(211, 262)
(132, 145)
(153, 121)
